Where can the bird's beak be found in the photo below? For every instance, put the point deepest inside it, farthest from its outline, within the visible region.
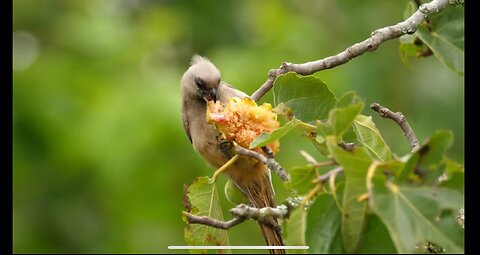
(210, 95)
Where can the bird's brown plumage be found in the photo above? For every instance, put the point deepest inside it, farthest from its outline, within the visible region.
(248, 174)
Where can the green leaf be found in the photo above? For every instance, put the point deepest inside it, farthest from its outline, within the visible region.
(283, 109)
(416, 215)
(319, 143)
(204, 200)
(408, 49)
(455, 175)
(295, 228)
(266, 138)
(340, 119)
(446, 40)
(323, 225)
(355, 164)
(425, 165)
(409, 10)
(301, 179)
(234, 194)
(307, 96)
(377, 239)
(347, 99)
(369, 136)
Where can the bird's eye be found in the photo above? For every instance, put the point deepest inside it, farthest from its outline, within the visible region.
(200, 83)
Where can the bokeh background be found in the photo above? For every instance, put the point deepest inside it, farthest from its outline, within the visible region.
(100, 154)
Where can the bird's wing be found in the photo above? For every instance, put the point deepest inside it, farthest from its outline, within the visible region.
(186, 125)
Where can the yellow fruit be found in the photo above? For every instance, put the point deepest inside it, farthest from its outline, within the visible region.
(242, 120)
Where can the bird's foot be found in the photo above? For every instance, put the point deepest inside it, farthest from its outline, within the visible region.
(226, 147)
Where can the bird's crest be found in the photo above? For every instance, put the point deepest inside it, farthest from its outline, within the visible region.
(198, 59)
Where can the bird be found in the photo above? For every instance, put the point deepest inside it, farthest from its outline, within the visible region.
(200, 84)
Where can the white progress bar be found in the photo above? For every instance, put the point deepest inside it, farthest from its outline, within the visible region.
(237, 247)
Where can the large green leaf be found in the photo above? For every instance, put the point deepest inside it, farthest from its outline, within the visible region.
(323, 224)
(203, 199)
(369, 136)
(295, 228)
(425, 165)
(377, 239)
(307, 96)
(355, 164)
(266, 138)
(301, 179)
(446, 38)
(416, 215)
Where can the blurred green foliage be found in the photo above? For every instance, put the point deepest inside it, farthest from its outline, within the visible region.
(100, 155)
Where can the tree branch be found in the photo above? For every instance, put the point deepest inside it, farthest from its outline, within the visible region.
(409, 26)
(205, 220)
(400, 120)
(347, 146)
(326, 163)
(324, 177)
(240, 213)
(271, 163)
(247, 212)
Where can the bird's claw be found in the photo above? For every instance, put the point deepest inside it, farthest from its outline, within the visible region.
(226, 146)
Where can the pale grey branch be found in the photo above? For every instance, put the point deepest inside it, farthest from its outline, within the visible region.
(204, 220)
(240, 213)
(271, 163)
(326, 176)
(247, 212)
(408, 26)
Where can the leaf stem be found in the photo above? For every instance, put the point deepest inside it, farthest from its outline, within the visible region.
(223, 168)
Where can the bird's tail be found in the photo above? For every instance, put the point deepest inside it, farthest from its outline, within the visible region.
(272, 238)
(257, 187)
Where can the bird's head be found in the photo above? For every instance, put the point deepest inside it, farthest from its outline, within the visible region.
(201, 79)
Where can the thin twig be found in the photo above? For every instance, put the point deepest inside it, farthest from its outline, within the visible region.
(240, 213)
(347, 146)
(378, 36)
(326, 163)
(400, 120)
(205, 220)
(326, 176)
(309, 158)
(271, 163)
